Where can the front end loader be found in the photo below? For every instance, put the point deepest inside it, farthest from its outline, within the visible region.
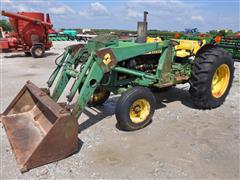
(42, 130)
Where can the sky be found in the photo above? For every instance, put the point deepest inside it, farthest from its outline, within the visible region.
(172, 15)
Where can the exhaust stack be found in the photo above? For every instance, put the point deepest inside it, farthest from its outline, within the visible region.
(142, 29)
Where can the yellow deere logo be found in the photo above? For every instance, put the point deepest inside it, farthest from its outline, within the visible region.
(107, 59)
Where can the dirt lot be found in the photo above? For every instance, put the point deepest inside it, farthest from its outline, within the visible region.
(181, 142)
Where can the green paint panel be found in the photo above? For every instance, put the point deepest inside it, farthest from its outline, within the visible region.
(134, 49)
(118, 76)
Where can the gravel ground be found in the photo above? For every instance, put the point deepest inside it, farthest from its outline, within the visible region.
(181, 142)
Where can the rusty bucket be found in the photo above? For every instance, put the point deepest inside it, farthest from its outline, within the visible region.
(39, 130)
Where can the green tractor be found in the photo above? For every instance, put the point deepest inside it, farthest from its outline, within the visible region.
(41, 130)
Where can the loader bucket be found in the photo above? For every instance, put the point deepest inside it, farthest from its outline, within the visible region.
(39, 130)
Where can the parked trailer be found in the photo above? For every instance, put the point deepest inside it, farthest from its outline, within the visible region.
(29, 33)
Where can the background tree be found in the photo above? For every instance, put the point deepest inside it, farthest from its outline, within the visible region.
(5, 25)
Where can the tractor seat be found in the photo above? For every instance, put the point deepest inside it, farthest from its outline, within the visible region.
(187, 48)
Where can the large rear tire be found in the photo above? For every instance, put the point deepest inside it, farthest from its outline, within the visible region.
(211, 78)
(135, 108)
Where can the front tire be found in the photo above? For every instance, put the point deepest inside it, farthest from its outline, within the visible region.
(211, 78)
(135, 108)
(37, 51)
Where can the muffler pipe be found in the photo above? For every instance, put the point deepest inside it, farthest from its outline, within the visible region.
(142, 29)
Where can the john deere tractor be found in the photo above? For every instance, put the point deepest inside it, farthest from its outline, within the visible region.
(41, 130)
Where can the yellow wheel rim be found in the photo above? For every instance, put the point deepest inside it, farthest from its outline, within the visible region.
(220, 80)
(139, 111)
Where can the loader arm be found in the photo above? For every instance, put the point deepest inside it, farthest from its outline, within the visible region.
(70, 56)
(86, 80)
(92, 71)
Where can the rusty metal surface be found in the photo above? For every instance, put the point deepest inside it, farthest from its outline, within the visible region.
(112, 62)
(1, 115)
(39, 130)
(23, 134)
(182, 78)
(73, 49)
(166, 69)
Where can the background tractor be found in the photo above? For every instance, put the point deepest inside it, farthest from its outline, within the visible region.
(41, 130)
(230, 43)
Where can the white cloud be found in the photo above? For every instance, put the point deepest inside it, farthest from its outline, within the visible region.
(38, 5)
(57, 10)
(164, 6)
(21, 7)
(6, 4)
(95, 9)
(197, 18)
(133, 13)
(176, 11)
(99, 9)
(83, 14)
(6, 1)
(69, 9)
(62, 9)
